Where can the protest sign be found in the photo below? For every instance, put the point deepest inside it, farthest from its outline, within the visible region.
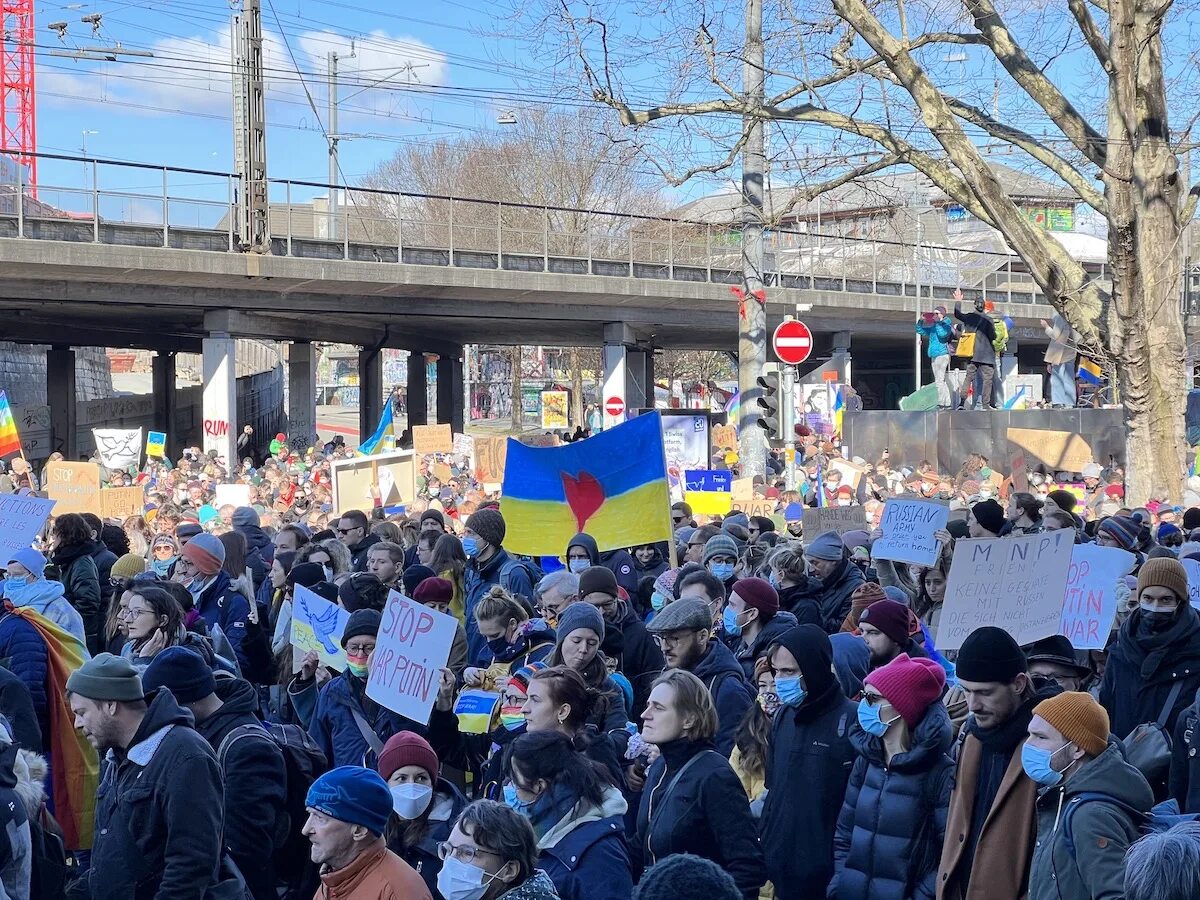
(232, 495)
(743, 489)
(442, 472)
(540, 440)
(476, 710)
(832, 518)
(753, 507)
(1192, 567)
(554, 409)
(353, 479)
(156, 444)
(432, 439)
(464, 445)
(852, 473)
(908, 528)
(1014, 583)
(724, 439)
(1020, 475)
(122, 502)
(413, 645)
(119, 448)
(489, 459)
(709, 503)
(1089, 606)
(717, 480)
(21, 518)
(75, 486)
(317, 625)
(1062, 450)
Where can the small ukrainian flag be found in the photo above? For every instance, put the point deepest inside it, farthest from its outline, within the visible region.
(1089, 371)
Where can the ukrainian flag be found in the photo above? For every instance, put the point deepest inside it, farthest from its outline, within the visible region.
(839, 410)
(613, 486)
(1089, 371)
(384, 430)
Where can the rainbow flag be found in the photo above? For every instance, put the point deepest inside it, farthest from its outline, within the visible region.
(384, 430)
(1089, 371)
(613, 486)
(74, 767)
(10, 441)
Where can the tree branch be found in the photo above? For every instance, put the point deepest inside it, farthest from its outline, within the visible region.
(1091, 33)
(811, 192)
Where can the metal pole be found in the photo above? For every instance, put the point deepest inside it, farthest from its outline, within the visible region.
(166, 211)
(331, 115)
(95, 203)
(917, 279)
(21, 201)
(289, 218)
(787, 422)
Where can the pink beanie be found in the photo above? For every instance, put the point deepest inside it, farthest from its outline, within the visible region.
(910, 685)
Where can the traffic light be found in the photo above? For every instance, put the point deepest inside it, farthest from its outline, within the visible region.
(770, 418)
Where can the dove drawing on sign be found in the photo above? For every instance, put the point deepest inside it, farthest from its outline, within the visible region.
(323, 624)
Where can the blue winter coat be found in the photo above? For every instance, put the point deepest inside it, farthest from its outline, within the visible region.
(224, 606)
(939, 335)
(332, 725)
(477, 581)
(722, 674)
(889, 835)
(23, 652)
(585, 854)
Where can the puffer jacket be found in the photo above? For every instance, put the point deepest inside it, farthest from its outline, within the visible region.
(1101, 831)
(939, 335)
(26, 656)
(537, 887)
(890, 831)
(746, 654)
(222, 606)
(48, 599)
(585, 853)
(726, 682)
(835, 593)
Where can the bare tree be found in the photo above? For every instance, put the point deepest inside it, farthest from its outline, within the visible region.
(856, 87)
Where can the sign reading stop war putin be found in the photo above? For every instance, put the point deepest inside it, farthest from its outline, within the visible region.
(412, 647)
(908, 529)
(74, 486)
(1014, 583)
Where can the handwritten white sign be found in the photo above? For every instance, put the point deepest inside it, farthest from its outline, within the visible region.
(908, 529)
(1090, 602)
(21, 518)
(413, 645)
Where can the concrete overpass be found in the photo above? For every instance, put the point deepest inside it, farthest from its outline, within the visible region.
(112, 265)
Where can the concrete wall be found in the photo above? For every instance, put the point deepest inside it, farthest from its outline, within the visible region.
(23, 373)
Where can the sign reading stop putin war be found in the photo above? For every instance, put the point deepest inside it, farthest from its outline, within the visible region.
(413, 645)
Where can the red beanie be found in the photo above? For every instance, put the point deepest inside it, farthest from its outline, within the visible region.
(758, 594)
(910, 685)
(434, 590)
(407, 749)
(889, 617)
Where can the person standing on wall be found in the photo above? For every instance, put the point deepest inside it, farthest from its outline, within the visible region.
(939, 331)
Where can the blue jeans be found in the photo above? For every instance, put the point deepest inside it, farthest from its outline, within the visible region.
(1062, 384)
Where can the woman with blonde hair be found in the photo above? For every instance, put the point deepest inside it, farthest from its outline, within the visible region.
(513, 638)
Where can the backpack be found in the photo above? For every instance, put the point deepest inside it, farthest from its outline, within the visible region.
(1161, 817)
(1000, 343)
(50, 863)
(303, 763)
(532, 570)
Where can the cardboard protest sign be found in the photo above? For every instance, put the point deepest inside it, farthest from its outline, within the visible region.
(75, 486)
(753, 507)
(156, 444)
(122, 502)
(833, 518)
(490, 453)
(852, 473)
(908, 529)
(1014, 583)
(1089, 605)
(413, 645)
(1062, 450)
(1020, 477)
(540, 440)
(232, 495)
(743, 489)
(353, 478)
(432, 439)
(21, 518)
(317, 625)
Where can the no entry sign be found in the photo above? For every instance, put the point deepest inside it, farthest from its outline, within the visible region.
(792, 342)
(614, 406)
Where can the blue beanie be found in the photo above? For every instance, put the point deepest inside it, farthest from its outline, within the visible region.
(181, 671)
(827, 545)
(793, 512)
(354, 795)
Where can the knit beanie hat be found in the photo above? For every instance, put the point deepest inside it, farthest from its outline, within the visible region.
(244, 516)
(521, 678)
(1063, 499)
(181, 671)
(665, 583)
(1122, 529)
(827, 546)
(106, 677)
(576, 616)
(434, 590)
(989, 654)
(435, 515)
(683, 875)
(1079, 717)
(758, 594)
(407, 748)
(352, 794)
(1166, 530)
(488, 524)
(718, 545)
(1164, 572)
(413, 576)
(910, 685)
(864, 595)
(187, 530)
(597, 580)
(1191, 518)
(206, 553)
(306, 574)
(362, 622)
(989, 514)
(126, 566)
(889, 617)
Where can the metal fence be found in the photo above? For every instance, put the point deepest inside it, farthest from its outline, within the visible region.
(131, 204)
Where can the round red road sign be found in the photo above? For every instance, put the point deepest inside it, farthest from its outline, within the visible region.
(614, 406)
(792, 342)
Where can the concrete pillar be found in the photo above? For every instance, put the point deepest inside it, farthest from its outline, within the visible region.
(60, 397)
(370, 391)
(841, 345)
(162, 377)
(302, 395)
(450, 401)
(219, 400)
(418, 390)
(628, 373)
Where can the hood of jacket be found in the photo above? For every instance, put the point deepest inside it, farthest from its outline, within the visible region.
(845, 574)
(238, 698)
(588, 543)
(814, 653)
(780, 622)
(31, 770)
(1107, 774)
(931, 739)
(64, 556)
(162, 714)
(717, 660)
(38, 594)
(256, 538)
(583, 812)
(655, 560)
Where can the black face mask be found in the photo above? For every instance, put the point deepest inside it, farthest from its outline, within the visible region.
(1155, 622)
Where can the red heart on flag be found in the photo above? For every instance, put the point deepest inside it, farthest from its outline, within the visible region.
(585, 495)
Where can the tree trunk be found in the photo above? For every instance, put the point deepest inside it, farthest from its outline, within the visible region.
(518, 415)
(577, 389)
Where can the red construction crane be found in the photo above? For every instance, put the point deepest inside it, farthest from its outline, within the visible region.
(18, 129)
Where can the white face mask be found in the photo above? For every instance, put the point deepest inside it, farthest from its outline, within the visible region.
(843, 502)
(410, 800)
(328, 572)
(461, 881)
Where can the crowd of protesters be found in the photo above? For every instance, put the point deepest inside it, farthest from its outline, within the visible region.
(745, 710)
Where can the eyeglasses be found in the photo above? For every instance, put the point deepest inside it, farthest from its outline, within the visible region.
(131, 613)
(673, 639)
(360, 649)
(164, 548)
(465, 853)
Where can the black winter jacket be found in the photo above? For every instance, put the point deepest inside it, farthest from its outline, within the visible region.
(746, 654)
(260, 553)
(705, 812)
(726, 682)
(639, 660)
(835, 593)
(803, 602)
(889, 834)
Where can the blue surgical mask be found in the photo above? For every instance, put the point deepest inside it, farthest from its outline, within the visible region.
(868, 718)
(789, 690)
(657, 601)
(516, 803)
(578, 565)
(729, 621)
(1036, 763)
(499, 646)
(773, 580)
(724, 571)
(470, 547)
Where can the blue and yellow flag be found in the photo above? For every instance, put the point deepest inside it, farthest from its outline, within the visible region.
(613, 486)
(839, 410)
(1089, 371)
(375, 442)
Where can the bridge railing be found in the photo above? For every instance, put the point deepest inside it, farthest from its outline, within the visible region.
(122, 203)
